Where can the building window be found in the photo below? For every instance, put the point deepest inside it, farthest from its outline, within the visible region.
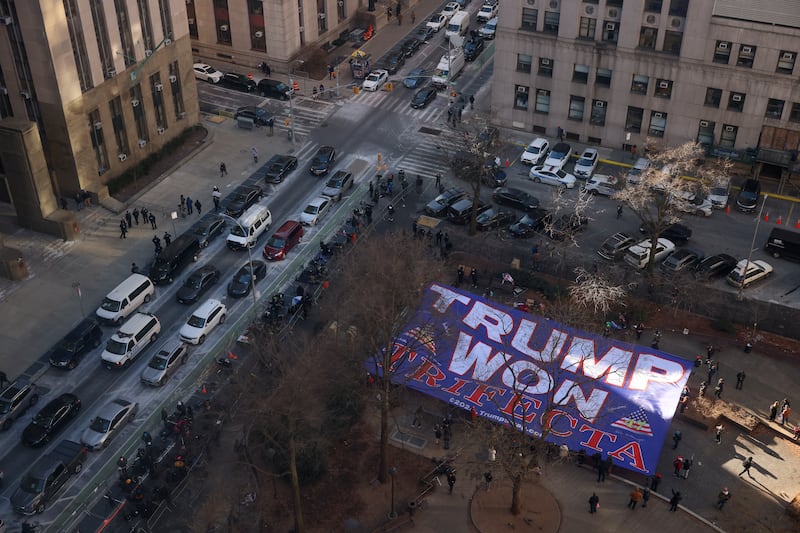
(521, 97)
(524, 63)
(736, 102)
(678, 8)
(5, 102)
(191, 19)
(146, 24)
(705, 132)
(747, 53)
(603, 77)
(587, 28)
(258, 35)
(98, 141)
(786, 62)
(663, 89)
(794, 115)
(529, 19)
(125, 37)
(322, 17)
(78, 44)
(222, 21)
(774, 108)
(658, 123)
(598, 114)
(722, 52)
(551, 19)
(576, 105)
(177, 92)
(672, 42)
(728, 137)
(653, 6)
(118, 122)
(611, 31)
(713, 97)
(647, 38)
(614, 3)
(633, 121)
(546, 67)
(542, 101)
(639, 84)
(580, 74)
(166, 18)
(157, 92)
(138, 112)
(101, 35)
(341, 12)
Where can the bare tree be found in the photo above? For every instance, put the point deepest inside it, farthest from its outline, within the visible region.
(662, 193)
(568, 217)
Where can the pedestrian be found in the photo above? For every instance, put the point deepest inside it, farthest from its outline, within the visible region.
(451, 480)
(267, 70)
(645, 496)
(740, 379)
(216, 195)
(718, 433)
(746, 464)
(157, 244)
(712, 369)
(417, 422)
(560, 133)
(389, 12)
(145, 217)
(471, 101)
(255, 154)
(797, 432)
(602, 469)
(636, 497)
(223, 169)
(123, 229)
(136, 215)
(709, 352)
(773, 411)
(619, 211)
(437, 432)
(134, 268)
(438, 180)
(683, 403)
(474, 277)
(718, 389)
(152, 219)
(675, 500)
(271, 125)
(676, 439)
(639, 329)
(460, 275)
(678, 465)
(785, 414)
(167, 238)
(413, 17)
(723, 497)
(198, 206)
(189, 204)
(655, 481)
(487, 476)
(330, 71)
(594, 503)
(128, 218)
(703, 386)
(687, 465)
(78, 200)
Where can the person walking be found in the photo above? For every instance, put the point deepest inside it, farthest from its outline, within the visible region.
(460, 275)
(594, 503)
(223, 170)
(773, 411)
(619, 211)
(215, 196)
(746, 464)
(157, 244)
(167, 238)
(676, 439)
(413, 17)
(198, 206)
(474, 278)
(487, 476)
(687, 465)
(472, 101)
(330, 71)
(719, 387)
(145, 218)
(560, 134)
(654, 482)
(78, 200)
(645, 496)
(189, 204)
(271, 125)
(128, 218)
(636, 497)
(437, 432)
(123, 229)
(740, 379)
(723, 496)
(678, 465)
(152, 219)
(255, 154)
(718, 433)
(451, 480)
(134, 268)
(785, 414)
(675, 500)
(136, 215)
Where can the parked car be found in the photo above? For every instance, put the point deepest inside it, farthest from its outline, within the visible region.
(207, 228)
(601, 184)
(259, 116)
(748, 272)
(615, 246)
(683, 259)
(489, 136)
(425, 33)
(437, 22)
(196, 284)
(207, 73)
(410, 46)
(567, 225)
(165, 362)
(673, 232)
(314, 211)
(552, 176)
(515, 198)
(536, 151)
(489, 30)
(70, 350)
(487, 12)
(720, 195)
(450, 9)
(243, 198)
(279, 167)
(638, 255)
(415, 79)
(439, 205)
(15, 400)
(322, 160)
(274, 89)
(46, 477)
(473, 48)
(337, 184)
(558, 156)
(202, 322)
(584, 167)
(494, 218)
(695, 205)
(423, 97)
(375, 80)
(716, 266)
(238, 82)
(530, 223)
(747, 200)
(461, 211)
(640, 166)
(51, 419)
(494, 176)
(110, 419)
(243, 280)
(395, 62)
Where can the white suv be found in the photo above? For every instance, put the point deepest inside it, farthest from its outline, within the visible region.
(126, 344)
(203, 321)
(536, 151)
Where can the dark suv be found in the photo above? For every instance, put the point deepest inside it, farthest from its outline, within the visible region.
(259, 116)
(278, 167)
(243, 198)
(238, 82)
(15, 400)
(438, 206)
(274, 89)
(747, 200)
(69, 351)
(322, 160)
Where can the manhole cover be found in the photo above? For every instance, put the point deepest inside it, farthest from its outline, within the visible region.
(430, 131)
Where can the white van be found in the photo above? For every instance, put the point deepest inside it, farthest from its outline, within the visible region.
(134, 336)
(449, 67)
(253, 222)
(125, 298)
(458, 25)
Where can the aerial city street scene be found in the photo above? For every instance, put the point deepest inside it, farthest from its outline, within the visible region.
(373, 265)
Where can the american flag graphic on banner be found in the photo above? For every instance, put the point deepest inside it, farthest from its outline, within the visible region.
(635, 422)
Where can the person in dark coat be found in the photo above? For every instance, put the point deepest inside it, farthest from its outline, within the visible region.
(675, 500)
(594, 501)
(123, 229)
(136, 215)
(451, 480)
(128, 218)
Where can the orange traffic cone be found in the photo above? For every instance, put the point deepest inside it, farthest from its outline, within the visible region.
(766, 217)
(508, 163)
(232, 355)
(203, 390)
(727, 209)
(780, 220)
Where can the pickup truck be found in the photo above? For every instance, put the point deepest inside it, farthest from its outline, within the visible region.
(47, 476)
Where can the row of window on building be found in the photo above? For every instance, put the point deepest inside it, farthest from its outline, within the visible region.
(139, 106)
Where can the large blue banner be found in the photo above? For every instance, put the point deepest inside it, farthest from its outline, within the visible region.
(583, 390)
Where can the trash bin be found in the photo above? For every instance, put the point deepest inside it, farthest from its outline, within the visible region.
(245, 123)
(748, 347)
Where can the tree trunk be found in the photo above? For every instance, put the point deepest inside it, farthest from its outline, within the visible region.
(516, 486)
(385, 406)
(296, 500)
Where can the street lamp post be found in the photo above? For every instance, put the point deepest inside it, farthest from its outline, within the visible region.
(77, 286)
(393, 474)
(291, 98)
(249, 256)
(740, 296)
